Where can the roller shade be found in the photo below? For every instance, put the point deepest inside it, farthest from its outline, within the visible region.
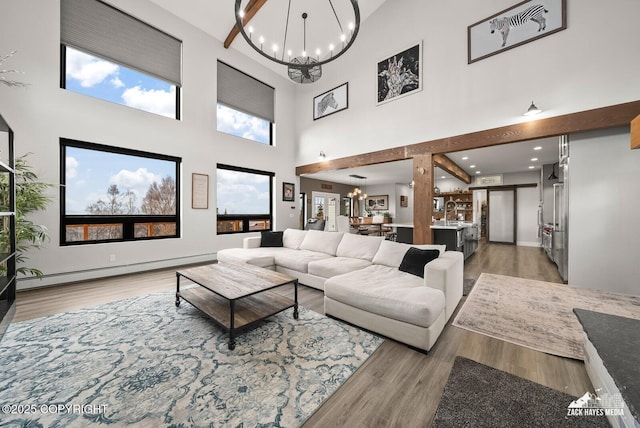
(244, 93)
(105, 31)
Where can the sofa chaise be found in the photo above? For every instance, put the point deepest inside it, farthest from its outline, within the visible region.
(379, 285)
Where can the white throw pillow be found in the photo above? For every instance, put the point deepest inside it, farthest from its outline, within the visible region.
(322, 242)
(390, 253)
(292, 238)
(359, 246)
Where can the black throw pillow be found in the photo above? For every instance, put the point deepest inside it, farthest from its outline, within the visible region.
(271, 239)
(415, 259)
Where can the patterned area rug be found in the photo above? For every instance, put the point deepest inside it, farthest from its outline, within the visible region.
(144, 362)
(537, 314)
(481, 396)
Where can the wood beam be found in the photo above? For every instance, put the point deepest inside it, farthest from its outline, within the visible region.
(452, 168)
(635, 133)
(249, 12)
(590, 120)
(422, 198)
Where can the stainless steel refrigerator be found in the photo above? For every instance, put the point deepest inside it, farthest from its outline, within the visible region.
(560, 239)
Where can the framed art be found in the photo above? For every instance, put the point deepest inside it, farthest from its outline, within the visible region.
(330, 102)
(400, 74)
(404, 201)
(199, 191)
(515, 26)
(373, 203)
(288, 192)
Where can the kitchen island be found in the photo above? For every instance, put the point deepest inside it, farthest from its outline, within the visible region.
(457, 236)
(404, 232)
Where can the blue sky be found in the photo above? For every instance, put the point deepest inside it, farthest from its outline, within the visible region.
(89, 173)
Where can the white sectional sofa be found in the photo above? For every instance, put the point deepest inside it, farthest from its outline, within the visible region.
(362, 281)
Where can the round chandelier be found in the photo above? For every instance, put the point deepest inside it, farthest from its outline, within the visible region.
(332, 32)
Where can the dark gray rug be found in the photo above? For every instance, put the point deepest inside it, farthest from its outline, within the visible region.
(467, 285)
(481, 396)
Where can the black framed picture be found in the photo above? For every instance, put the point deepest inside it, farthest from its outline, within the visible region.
(515, 26)
(400, 74)
(330, 102)
(288, 192)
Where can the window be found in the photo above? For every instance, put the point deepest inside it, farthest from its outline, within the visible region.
(110, 55)
(244, 199)
(245, 105)
(112, 194)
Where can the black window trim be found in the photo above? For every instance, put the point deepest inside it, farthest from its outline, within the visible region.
(63, 80)
(128, 221)
(247, 217)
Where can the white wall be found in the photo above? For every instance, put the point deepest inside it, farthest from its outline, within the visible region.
(604, 202)
(42, 113)
(403, 214)
(590, 64)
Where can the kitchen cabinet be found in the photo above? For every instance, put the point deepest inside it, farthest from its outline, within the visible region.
(463, 205)
(460, 237)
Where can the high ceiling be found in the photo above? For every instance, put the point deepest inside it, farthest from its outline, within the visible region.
(216, 18)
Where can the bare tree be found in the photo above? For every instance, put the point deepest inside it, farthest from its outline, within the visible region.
(160, 198)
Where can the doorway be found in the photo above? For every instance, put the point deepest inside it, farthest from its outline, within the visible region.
(326, 206)
(501, 211)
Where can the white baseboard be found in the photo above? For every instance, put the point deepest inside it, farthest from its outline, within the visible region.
(84, 275)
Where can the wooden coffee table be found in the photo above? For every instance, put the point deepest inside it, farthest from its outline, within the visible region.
(236, 296)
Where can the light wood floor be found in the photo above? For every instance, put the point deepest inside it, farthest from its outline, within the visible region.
(397, 386)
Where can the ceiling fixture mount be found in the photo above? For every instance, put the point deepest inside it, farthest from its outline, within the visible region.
(322, 156)
(304, 67)
(532, 110)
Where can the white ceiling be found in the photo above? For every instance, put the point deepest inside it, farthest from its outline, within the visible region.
(216, 18)
(507, 158)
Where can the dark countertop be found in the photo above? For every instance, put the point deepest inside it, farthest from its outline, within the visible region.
(617, 340)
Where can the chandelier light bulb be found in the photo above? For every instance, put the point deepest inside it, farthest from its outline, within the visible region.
(275, 48)
(241, 14)
(250, 30)
(261, 40)
(304, 54)
(343, 37)
(351, 26)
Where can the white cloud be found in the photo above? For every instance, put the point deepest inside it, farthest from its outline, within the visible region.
(135, 181)
(88, 70)
(71, 167)
(242, 193)
(153, 100)
(116, 82)
(242, 125)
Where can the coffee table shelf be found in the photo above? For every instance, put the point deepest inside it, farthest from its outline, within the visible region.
(247, 311)
(236, 296)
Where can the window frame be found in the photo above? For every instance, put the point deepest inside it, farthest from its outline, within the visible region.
(246, 218)
(129, 221)
(63, 80)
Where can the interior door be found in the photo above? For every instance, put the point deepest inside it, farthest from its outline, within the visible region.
(326, 206)
(502, 216)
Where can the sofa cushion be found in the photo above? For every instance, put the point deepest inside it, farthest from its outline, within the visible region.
(415, 259)
(263, 257)
(388, 292)
(271, 239)
(359, 246)
(336, 266)
(322, 242)
(292, 238)
(298, 260)
(391, 253)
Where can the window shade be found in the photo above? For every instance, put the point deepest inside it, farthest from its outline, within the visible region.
(244, 93)
(102, 30)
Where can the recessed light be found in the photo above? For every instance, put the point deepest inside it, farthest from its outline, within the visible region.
(477, 172)
(472, 166)
(465, 157)
(537, 148)
(443, 177)
(531, 167)
(534, 159)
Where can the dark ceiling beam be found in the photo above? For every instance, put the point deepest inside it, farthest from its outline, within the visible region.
(249, 12)
(446, 164)
(589, 120)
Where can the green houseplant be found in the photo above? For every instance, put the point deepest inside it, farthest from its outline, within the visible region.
(31, 197)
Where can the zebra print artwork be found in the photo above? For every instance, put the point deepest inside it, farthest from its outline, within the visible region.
(326, 102)
(503, 25)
